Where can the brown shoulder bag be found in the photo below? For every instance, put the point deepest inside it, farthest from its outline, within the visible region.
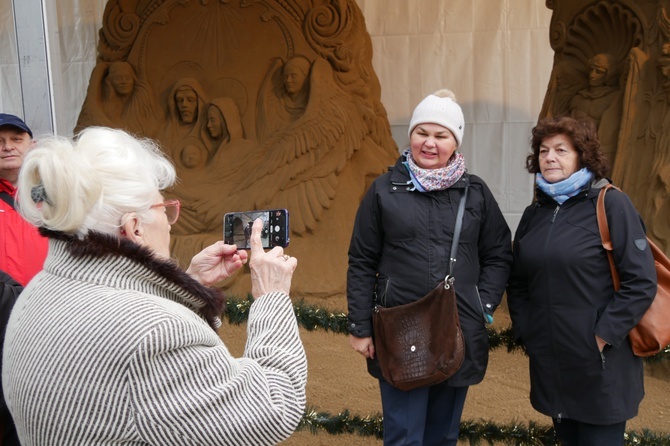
(652, 333)
(421, 343)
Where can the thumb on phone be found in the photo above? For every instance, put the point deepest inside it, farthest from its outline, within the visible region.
(270, 271)
(255, 241)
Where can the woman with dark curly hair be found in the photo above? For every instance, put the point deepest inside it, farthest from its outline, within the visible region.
(563, 305)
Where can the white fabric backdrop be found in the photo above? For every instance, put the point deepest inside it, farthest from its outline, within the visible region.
(494, 55)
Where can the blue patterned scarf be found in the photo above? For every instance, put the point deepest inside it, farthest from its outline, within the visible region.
(426, 180)
(567, 188)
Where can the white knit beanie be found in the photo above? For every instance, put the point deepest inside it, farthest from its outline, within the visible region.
(440, 108)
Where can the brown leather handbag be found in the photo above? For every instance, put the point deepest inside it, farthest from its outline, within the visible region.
(652, 333)
(421, 343)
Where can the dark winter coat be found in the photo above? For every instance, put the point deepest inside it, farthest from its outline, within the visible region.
(9, 292)
(561, 296)
(400, 251)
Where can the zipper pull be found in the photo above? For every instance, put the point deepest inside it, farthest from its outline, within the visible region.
(553, 218)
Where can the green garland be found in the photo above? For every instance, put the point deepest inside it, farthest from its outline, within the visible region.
(342, 423)
(476, 433)
(312, 317)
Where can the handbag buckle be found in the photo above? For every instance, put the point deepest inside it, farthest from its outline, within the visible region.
(448, 281)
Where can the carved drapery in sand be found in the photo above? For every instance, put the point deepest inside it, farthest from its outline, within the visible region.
(612, 63)
(261, 104)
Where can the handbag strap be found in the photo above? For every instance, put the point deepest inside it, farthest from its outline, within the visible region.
(4, 196)
(457, 235)
(605, 237)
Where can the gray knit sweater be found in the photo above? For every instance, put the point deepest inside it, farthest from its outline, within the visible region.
(109, 346)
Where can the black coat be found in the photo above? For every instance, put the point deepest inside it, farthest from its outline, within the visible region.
(9, 292)
(561, 296)
(400, 250)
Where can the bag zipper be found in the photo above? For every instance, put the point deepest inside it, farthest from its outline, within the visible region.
(383, 304)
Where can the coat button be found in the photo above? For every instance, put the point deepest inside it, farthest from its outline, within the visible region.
(394, 188)
(413, 348)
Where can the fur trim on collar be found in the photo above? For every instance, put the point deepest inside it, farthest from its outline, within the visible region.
(98, 245)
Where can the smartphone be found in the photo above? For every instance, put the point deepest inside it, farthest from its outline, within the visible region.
(237, 228)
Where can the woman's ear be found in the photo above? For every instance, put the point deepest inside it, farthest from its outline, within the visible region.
(132, 228)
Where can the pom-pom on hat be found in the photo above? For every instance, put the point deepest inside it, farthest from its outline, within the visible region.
(440, 108)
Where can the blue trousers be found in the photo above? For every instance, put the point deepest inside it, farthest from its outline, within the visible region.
(429, 416)
(576, 433)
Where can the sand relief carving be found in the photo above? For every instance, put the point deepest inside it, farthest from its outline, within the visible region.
(601, 100)
(283, 96)
(660, 162)
(602, 90)
(201, 170)
(593, 75)
(186, 114)
(613, 64)
(262, 105)
(116, 97)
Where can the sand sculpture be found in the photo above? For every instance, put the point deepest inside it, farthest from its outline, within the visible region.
(261, 104)
(612, 63)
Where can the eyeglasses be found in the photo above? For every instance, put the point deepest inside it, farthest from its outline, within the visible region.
(172, 208)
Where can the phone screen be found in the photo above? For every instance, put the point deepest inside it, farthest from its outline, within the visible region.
(237, 228)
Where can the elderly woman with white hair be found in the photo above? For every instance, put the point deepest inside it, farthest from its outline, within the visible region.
(112, 343)
(399, 252)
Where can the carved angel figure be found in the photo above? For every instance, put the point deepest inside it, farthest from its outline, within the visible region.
(117, 98)
(283, 96)
(298, 162)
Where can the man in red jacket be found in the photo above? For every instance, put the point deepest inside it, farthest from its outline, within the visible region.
(22, 249)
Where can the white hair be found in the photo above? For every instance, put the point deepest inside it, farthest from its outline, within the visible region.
(91, 182)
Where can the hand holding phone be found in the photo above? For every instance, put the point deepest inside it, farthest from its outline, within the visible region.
(237, 228)
(270, 271)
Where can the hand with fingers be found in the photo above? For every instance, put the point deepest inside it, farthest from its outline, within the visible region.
(216, 262)
(272, 270)
(364, 346)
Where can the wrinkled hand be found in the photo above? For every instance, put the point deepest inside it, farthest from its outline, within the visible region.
(216, 262)
(364, 346)
(272, 270)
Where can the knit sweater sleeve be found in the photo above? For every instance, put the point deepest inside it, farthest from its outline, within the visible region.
(187, 389)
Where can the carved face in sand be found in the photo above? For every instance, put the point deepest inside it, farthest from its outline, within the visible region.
(216, 125)
(122, 77)
(187, 104)
(295, 72)
(192, 156)
(599, 67)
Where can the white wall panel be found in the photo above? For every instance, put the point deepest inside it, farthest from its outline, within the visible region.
(10, 82)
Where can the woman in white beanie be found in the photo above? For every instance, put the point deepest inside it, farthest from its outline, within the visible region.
(399, 252)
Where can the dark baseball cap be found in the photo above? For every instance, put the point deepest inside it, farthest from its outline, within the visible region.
(14, 121)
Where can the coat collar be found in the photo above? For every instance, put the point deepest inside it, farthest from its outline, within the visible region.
(132, 266)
